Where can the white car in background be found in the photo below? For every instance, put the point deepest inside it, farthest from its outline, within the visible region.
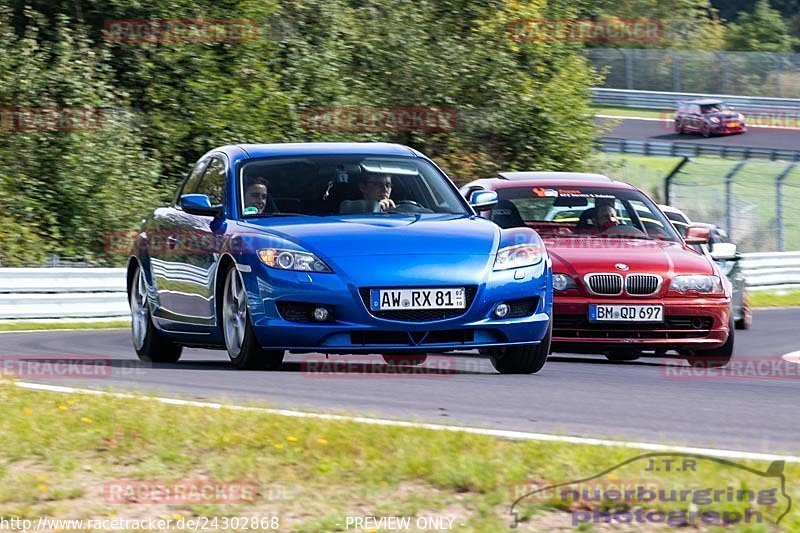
(726, 257)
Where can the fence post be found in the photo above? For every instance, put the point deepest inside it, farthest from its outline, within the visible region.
(668, 179)
(724, 64)
(729, 197)
(676, 71)
(779, 199)
(628, 68)
(778, 68)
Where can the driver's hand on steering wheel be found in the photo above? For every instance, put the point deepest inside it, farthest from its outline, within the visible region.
(387, 204)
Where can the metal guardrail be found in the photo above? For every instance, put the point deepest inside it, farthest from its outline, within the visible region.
(668, 100)
(81, 293)
(60, 280)
(685, 149)
(771, 271)
(71, 293)
(696, 71)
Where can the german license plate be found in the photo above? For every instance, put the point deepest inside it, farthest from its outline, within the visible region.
(626, 313)
(733, 124)
(409, 299)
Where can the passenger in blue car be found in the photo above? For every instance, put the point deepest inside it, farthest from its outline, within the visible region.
(378, 188)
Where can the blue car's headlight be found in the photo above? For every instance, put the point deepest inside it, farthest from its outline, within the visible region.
(292, 260)
(520, 255)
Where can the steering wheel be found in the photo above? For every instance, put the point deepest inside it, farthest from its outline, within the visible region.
(408, 202)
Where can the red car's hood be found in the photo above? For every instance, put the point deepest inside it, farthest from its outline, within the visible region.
(578, 257)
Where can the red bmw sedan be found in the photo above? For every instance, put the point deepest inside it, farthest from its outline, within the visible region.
(626, 284)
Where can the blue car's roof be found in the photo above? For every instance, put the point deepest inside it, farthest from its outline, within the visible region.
(254, 151)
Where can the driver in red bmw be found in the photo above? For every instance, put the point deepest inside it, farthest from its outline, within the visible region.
(608, 224)
(605, 218)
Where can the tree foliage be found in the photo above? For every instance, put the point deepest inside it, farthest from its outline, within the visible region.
(518, 105)
(687, 24)
(763, 30)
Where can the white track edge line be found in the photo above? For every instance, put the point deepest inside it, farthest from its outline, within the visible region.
(502, 433)
(792, 357)
(61, 330)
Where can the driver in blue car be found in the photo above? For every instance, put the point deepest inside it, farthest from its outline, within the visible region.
(378, 188)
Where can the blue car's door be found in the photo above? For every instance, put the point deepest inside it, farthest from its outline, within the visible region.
(196, 244)
(162, 239)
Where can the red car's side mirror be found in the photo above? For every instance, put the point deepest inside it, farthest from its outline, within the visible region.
(697, 235)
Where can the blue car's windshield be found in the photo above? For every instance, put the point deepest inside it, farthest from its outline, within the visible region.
(345, 185)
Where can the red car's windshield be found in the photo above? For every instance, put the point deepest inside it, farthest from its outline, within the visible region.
(594, 212)
(713, 108)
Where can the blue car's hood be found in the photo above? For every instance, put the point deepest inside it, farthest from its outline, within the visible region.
(351, 236)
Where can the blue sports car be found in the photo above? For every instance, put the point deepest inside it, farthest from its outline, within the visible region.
(335, 248)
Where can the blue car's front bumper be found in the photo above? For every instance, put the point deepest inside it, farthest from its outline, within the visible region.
(352, 328)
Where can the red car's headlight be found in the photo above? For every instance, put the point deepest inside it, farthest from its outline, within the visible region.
(697, 283)
(563, 282)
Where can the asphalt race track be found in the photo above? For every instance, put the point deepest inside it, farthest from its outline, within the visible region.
(659, 130)
(573, 395)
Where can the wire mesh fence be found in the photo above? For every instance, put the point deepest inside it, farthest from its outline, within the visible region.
(734, 73)
(756, 202)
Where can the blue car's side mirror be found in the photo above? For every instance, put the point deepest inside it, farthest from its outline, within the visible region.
(483, 200)
(199, 204)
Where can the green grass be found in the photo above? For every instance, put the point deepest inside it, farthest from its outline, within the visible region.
(645, 172)
(59, 451)
(632, 112)
(41, 326)
(699, 189)
(774, 299)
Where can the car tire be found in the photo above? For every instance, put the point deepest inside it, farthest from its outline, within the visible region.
(405, 360)
(705, 131)
(747, 315)
(743, 323)
(150, 344)
(243, 347)
(622, 355)
(716, 357)
(527, 359)
(679, 127)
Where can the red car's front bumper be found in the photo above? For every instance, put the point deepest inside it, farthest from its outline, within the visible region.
(689, 323)
(726, 130)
